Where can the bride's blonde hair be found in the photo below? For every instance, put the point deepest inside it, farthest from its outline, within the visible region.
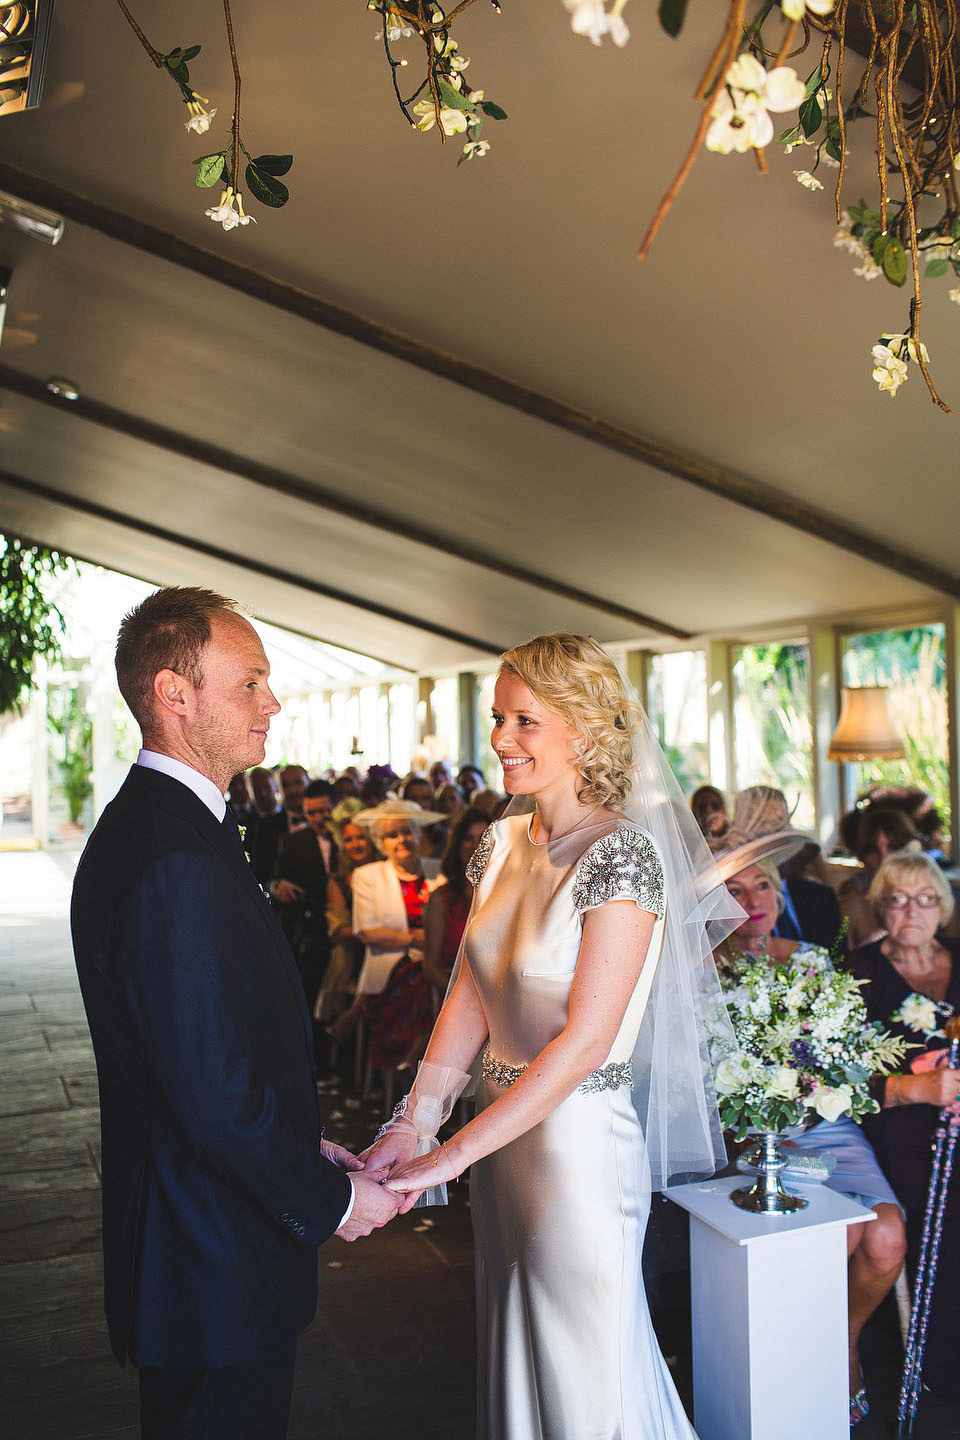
(572, 676)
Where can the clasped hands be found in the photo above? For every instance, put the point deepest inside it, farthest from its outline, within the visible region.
(387, 1180)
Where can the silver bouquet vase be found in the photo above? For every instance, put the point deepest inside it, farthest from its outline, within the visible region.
(767, 1195)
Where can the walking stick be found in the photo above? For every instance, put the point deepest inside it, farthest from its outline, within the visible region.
(944, 1145)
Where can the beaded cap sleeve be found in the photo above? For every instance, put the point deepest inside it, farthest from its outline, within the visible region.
(623, 865)
(478, 860)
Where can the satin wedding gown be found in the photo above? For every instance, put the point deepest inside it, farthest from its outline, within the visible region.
(566, 1345)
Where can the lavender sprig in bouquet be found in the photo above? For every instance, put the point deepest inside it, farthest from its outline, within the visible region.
(804, 1044)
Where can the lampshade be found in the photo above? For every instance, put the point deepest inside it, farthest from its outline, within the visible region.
(865, 730)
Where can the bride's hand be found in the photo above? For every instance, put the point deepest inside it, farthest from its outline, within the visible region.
(420, 1174)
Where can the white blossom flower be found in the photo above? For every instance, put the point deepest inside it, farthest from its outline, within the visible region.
(889, 371)
(899, 343)
(954, 295)
(452, 121)
(869, 269)
(476, 149)
(808, 181)
(592, 19)
(224, 214)
(459, 62)
(793, 9)
(200, 118)
(830, 1102)
(740, 120)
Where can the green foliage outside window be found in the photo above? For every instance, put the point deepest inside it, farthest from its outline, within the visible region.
(30, 623)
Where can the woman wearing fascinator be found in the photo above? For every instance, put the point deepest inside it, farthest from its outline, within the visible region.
(748, 864)
(583, 975)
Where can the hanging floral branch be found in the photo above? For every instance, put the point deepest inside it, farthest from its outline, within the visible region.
(175, 64)
(916, 120)
(262, 172)
(451, 107)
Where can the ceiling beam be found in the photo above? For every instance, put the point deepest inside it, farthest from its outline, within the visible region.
(715, 479)
(231, 557)
(280, 482)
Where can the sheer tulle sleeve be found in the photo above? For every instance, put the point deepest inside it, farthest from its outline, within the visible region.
(623, 865)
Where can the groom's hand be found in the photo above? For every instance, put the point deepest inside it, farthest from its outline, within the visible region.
(340, 1156)
(373, 1206)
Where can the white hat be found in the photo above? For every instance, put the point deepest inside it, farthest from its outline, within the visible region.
(393, 809)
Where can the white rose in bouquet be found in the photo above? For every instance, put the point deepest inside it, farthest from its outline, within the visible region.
(831, 1102)
(784, 1083)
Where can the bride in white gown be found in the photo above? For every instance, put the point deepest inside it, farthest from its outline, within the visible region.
(569, 956)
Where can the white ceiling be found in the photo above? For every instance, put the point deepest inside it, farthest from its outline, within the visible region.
(742, 342)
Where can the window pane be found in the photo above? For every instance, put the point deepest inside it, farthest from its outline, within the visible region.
(677, 698)
(912, 664)
(773, 735)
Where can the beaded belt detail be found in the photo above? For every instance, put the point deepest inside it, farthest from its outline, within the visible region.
(609, 1077)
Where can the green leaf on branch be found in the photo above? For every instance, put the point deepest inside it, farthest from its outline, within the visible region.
(266, 188)
(273, 164)
(832, 148)
(811, 116)
(190, 53)
(814, 82)
(452, 97)
(671, 15)
(936, 267)
(788, 137)
(894, 261)
(209, 170)
(494, 111)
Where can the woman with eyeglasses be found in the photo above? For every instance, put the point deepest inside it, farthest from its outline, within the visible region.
(913, 988)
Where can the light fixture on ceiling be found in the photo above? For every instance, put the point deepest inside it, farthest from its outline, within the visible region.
(33, 220)
(65, 389)
(865, 730)
(24, 31)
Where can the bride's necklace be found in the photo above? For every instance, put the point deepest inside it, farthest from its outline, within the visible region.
(564, 833)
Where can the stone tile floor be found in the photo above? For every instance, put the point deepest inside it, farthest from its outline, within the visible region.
(390, 1354)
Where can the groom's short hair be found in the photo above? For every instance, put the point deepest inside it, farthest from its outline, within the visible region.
(166, 631)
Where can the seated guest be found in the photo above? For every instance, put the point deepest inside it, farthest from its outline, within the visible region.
(446, 914)
(389, 897)
(710, 810)
(338, 986)
(439, 774)
(809, 910)
(913, 976)
(875, 1250)
(469, 780)
(289, 816)
(263, 789)
(346, 786)
(449, 802)
(878, 833)
(418, 790)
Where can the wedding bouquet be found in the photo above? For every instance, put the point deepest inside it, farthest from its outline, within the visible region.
(804, 1044)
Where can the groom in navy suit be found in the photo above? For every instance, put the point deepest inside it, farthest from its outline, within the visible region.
(217, 1184)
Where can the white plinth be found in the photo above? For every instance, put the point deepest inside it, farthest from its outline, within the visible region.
(769, 1303)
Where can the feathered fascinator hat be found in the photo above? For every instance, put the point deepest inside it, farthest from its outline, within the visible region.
(759, 830)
